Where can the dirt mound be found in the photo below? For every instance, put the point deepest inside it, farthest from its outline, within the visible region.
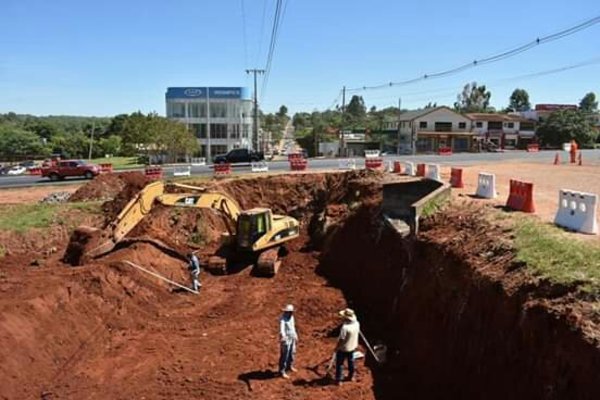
(108, 186)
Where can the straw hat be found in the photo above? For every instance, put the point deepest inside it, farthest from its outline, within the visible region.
(288, 308)
(348, 314)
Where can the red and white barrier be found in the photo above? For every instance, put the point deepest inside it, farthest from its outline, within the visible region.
(486, 186)
(153, 172)
(445, 151)
(223, 169)
(35, 171)
(374, 163)
(456, 178)
(397, 167)
(577, 211)
(421, 170)
(372, 153)
(298, 164)
(520, 196)
(533, 148)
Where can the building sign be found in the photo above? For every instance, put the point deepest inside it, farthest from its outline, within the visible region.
(554, 107)
(213, 92)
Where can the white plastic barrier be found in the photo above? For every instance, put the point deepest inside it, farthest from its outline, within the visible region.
(409, 168)
(371, 153)
(347, 164)
(433, 172)
(389, 167)
(198, 161)
(566, 147)
(486, 185)
(577, 211)
(185, 170)
(260, 166)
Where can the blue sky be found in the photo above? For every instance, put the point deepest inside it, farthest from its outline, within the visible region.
(109, 57)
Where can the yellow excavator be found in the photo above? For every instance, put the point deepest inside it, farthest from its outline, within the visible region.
(256, 232)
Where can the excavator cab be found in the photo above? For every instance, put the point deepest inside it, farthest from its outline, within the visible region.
(252, 225)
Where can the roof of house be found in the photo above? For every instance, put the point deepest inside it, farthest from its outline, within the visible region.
(414, 114)
(496, 117)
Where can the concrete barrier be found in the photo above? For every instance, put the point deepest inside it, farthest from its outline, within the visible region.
(347, 164)
(182, 170)
(260, 166)
(486, 186)
(433, 172)
(577, 211)
(198, 161)
(409, 168)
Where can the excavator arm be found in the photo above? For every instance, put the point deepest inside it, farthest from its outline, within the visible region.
(87, 243)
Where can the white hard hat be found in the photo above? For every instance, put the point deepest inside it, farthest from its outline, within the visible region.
(289, 308)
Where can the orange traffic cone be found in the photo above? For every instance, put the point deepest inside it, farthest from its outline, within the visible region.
(557, 159)
(579, 159)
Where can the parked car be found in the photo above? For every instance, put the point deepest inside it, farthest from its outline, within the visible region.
(69, 168)
(17, 170)
(239, 156)
(28, 164)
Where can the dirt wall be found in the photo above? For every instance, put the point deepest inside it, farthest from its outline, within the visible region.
(458, 317)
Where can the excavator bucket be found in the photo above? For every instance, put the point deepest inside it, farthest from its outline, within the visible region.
(268, 263)
(85, 244)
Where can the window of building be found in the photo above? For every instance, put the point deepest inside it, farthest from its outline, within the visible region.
(218, 110)
(235, 131)
(199, 130)
(462, 125)
(218, 131)
(443, 126)
(479, 124)
(494, 125)
(197, 110)
(245, 131)
(510, 125)
(423, 125)
(527, 126)
(176, 110)
(461, 144)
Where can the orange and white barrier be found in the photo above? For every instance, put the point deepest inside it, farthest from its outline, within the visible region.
(223, 169)
(182, 170)
(433, 172)
(295, 156)
(456, 178)
(397, 167)
(486, 186)
(409, 168)
(533, 148)
(421, 170)
(520, 196)
(260, 166)
(445, 151)
(154, 173)
(374, 163)
(577, 211)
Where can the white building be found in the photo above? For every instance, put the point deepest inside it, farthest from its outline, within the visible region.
(220, 117)
(504, 130)
(431, 128)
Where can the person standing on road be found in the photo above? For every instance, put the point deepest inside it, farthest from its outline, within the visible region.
(346, 345)
(288, 339)
(194, 268)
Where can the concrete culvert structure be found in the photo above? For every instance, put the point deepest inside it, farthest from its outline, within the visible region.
(451, 311)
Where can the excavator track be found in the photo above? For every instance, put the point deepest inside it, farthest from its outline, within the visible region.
(268, 263)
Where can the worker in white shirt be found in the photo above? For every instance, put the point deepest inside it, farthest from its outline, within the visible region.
(288, 341)
(346, 345)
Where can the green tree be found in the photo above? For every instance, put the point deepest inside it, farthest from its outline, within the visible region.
(356, 109)
(473, 98)
(589, 104)
(282, 113)
(110, 145)
(565, 125)
(519, 100)
(17, 143)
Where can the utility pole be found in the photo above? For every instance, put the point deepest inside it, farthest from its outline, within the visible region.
(91, 140)
(255, 142)
(342, 144)
(399, 123)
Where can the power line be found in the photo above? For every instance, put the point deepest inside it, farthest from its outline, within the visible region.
(278, 18)
(262, 32)
(491, 59)
(244, 32)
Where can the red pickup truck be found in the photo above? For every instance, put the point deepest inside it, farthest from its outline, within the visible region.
(67, 168)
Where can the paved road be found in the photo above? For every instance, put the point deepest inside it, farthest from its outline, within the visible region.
(460, 159)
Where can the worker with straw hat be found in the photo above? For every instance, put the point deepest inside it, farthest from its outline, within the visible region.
(346, 345)
(288, 341)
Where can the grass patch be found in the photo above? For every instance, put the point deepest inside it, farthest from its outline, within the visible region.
(22, 217)
(550, 254)
(119, 162)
